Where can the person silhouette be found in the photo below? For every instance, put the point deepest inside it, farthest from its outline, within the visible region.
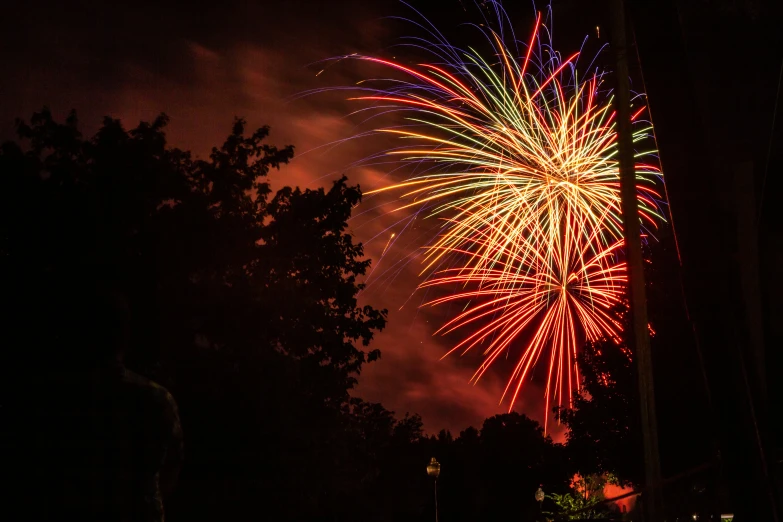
(114, 440)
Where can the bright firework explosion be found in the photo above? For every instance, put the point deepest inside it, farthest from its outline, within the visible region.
(518, 154)
(563, 294)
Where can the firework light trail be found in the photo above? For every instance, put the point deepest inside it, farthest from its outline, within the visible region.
(515, 155)
(563, 294)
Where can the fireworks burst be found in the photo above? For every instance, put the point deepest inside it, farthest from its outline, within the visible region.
(516, 155)
(562, 295)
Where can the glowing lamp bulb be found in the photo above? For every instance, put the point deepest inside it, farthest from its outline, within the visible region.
(433, 468)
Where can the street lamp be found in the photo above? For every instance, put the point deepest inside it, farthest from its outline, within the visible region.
(539, 497)
(433, 470)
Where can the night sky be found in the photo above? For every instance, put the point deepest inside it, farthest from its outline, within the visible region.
(205, 65)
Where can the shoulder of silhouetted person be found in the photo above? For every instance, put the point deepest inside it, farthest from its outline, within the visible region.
(170, 443)
(109, 439)
(162, 410)
(114, 438)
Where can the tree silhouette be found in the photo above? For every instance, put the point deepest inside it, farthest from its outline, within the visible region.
(603, 434)
(603, 431)
(243, 303)
(244, 306)
(516, 458)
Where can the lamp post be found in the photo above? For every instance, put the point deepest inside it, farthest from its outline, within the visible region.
(433, 470)
(539, 498)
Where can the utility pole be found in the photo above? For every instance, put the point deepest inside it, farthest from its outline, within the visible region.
(633, 250)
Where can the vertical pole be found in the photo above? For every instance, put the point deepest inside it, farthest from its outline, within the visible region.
(633, 247)
(436, 500)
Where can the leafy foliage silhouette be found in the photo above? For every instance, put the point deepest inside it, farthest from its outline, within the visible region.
(244, 306)
(603, 432)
